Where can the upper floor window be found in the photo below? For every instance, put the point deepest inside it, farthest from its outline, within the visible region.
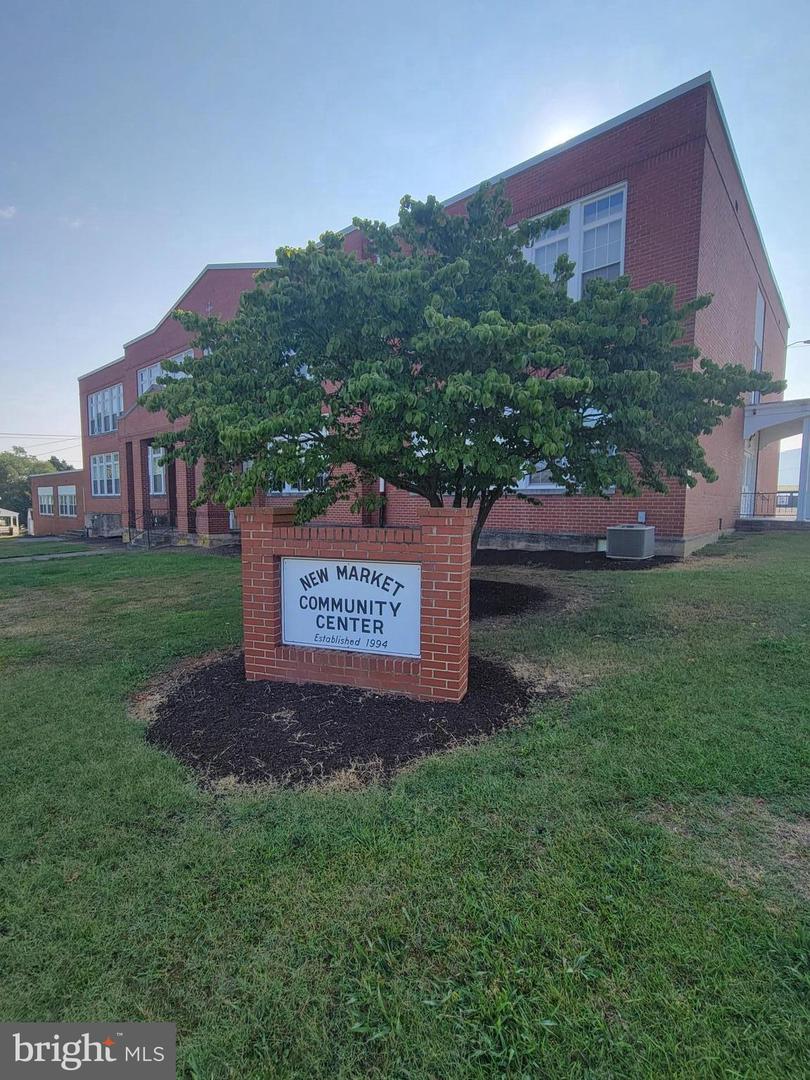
(553, 244)
(103, 409)
(148, 376)
(67, 500)
(45, 496)
(592, 238)
(759, 341)
(105, 475)
(157, 471)
(603, 237)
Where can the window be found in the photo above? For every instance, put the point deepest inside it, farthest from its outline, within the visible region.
(105, 476)
(593, 238)
(103, 409)
(148, 376)
(46, 501)
(67, 500)
(300, 488)
(157, 471)
(759, 341)
(549, 247)
(602, 232)
(540, 480)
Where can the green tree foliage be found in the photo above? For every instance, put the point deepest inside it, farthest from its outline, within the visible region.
(449, 366)
(16, 465)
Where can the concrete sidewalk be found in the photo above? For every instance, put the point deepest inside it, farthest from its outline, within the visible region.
(61, 555)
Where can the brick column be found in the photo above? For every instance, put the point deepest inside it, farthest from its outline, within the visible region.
(446, 541)
(181, 488)
(439, 543)
(140, 480)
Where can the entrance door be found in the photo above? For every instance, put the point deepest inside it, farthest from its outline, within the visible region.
(749, 479)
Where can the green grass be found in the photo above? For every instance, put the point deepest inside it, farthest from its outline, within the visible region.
(13, 547)
(614, 890)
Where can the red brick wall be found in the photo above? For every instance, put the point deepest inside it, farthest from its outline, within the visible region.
(559, 514)
(660, 157)
(439, 540)
(688, 224)
(217, 291)
(732, 265)
(340, 513)
(44, 525)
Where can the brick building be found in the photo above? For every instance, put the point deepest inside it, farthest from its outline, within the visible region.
(656, 193)
(57, 503)
(127, 491)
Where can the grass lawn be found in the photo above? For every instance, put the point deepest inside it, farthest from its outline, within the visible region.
(13, 546)
(614, 890)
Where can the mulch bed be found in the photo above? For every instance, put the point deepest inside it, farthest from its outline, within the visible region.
(258, 732)
(565, 560)
(491, 598)
(222, 726)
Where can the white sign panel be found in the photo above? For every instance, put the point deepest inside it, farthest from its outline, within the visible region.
(370, 607)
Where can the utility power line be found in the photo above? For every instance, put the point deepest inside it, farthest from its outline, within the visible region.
(54, 451)
(49, 445)
(34, 435)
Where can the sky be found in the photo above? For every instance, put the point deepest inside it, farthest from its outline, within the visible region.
(139, 142)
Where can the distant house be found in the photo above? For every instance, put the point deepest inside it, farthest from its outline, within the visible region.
(657, 194)
(9, 522)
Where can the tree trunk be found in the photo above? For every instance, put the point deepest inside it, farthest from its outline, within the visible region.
(484, 506)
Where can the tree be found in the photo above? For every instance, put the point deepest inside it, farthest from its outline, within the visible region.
(447, 365)
(16, 465)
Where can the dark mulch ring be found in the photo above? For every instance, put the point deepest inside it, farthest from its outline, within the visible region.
(491, 598)
(565, 560)
(257, 732)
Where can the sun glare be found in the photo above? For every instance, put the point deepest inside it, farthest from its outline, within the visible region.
(557, 135)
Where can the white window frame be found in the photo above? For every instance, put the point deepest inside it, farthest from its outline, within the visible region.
(67, 501)
(549, 488)
(156, 470)
(103, 409)
(148, 376)
(100, 481)
(290, 489)
(576, 229)
(45, 501)
(590, 418)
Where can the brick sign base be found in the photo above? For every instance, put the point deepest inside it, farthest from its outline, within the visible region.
(439, 542)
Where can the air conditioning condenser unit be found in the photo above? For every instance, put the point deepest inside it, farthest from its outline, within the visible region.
(630, 542)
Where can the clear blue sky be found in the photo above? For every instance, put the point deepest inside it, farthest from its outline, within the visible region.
(141, 141)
